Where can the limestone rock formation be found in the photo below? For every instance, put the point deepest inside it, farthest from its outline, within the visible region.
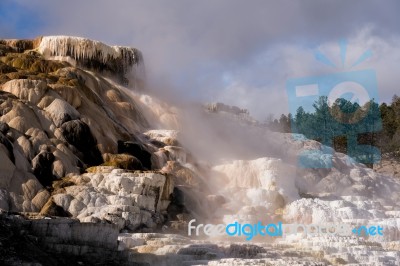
(131, 200)
(90, 53)
(56, 119)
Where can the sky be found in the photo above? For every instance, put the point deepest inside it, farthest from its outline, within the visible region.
(237, 52)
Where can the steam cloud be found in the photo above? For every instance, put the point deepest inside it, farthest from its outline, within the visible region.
(238, 52)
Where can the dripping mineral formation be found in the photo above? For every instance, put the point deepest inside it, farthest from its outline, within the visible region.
(94, 169)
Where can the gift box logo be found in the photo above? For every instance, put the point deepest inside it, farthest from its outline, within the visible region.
(343, 104)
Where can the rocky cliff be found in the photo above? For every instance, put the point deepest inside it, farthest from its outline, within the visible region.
(60, 117)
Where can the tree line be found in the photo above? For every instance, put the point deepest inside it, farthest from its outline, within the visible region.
(347, 126)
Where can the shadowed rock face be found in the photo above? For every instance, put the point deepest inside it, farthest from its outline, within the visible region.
(78, 134)
(59, 241)
(5, 69)
(7, 144)
(41, 167)
(136, 150)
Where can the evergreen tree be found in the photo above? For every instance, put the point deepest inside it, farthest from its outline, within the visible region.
(349, 127)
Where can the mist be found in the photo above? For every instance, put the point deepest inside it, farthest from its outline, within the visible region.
(239, 53)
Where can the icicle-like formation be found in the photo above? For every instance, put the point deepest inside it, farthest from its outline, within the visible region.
(89, 53)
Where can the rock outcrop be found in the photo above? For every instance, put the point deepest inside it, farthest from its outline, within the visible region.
(131, 200)
(58, 241)
(91, 54)
(56, 119)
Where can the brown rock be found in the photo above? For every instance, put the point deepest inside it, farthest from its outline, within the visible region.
(123, 161)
